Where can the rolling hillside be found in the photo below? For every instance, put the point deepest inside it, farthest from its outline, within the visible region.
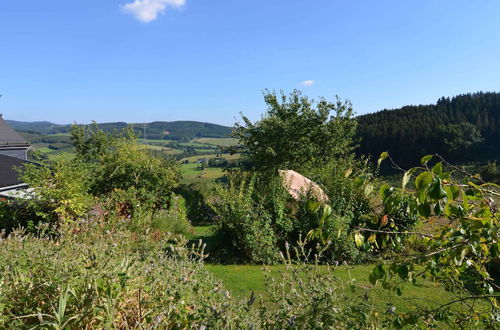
(176, 130)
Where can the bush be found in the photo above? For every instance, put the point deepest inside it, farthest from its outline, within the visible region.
(100, 280)
(130, 166)
(256, 218)
(59, 192)
(99, 275)
(198, 197)
(244, 226)
(114, 170)
(14, 216)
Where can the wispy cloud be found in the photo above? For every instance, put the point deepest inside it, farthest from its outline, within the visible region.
(148, 10)
(307, 83)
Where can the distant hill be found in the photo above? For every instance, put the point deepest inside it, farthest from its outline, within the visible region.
(176, 130)
(464, 128)
(43, 127)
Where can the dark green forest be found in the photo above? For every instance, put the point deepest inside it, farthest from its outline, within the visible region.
(465, 128)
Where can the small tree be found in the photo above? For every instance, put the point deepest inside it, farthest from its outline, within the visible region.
(297, 133)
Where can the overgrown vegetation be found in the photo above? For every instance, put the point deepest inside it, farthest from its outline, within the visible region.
(103, 238)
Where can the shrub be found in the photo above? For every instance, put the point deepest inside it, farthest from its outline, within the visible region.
(59, 192)
(198, 197)
(257, 216)
(99, 280)
(115, 170)
(130, 166)
(101, 275)
(14, 216)
(244, 226)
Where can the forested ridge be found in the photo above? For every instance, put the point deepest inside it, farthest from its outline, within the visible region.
(463, 128)
(175, 130)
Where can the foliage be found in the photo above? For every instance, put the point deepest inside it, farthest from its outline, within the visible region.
(60, 192)
(257, 216)
(416, 128)
(197, 197)
(98, 279)
(14, 215)
(490, 172)
(98, 274)
(459, 255)
(459, 137)
(109, 169)
(129, 166)
(174, 219)
(244, 226)
(293, 134)
(310, 297)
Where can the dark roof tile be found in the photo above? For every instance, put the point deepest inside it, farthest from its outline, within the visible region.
(8, 136)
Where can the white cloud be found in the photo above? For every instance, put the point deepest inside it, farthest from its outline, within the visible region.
(148, 10)
(307, 83)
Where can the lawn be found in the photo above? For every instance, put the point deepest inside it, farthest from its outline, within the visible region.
(241, 280)
(191, 173)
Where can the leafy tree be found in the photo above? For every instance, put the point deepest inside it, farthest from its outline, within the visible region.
(297, 133)
(130, 166)
(459, 137)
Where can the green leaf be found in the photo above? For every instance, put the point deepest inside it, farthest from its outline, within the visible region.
(403, 272)
(423, 180)
(377, 273)
(359, 239)
(425, 159)
(424, 210)
(313, 206)
(438, 209)
(436, 190)
(382, 157)
(438, 168)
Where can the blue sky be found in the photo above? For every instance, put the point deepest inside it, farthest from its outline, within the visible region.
(208, 60)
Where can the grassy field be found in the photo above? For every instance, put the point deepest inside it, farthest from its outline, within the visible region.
(222, 142)
(241, 280)
(210, 156)
(191, 173)
(147, 141)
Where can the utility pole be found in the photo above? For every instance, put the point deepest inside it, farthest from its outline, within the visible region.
(145, 136)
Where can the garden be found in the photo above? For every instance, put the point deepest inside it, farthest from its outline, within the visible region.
(114, 238)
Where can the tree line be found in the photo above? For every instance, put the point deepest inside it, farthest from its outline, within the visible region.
(464, 128)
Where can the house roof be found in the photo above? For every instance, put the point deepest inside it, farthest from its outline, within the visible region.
(9, 137)
(8, 174)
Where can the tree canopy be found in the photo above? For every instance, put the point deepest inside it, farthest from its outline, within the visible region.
(297, 133)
